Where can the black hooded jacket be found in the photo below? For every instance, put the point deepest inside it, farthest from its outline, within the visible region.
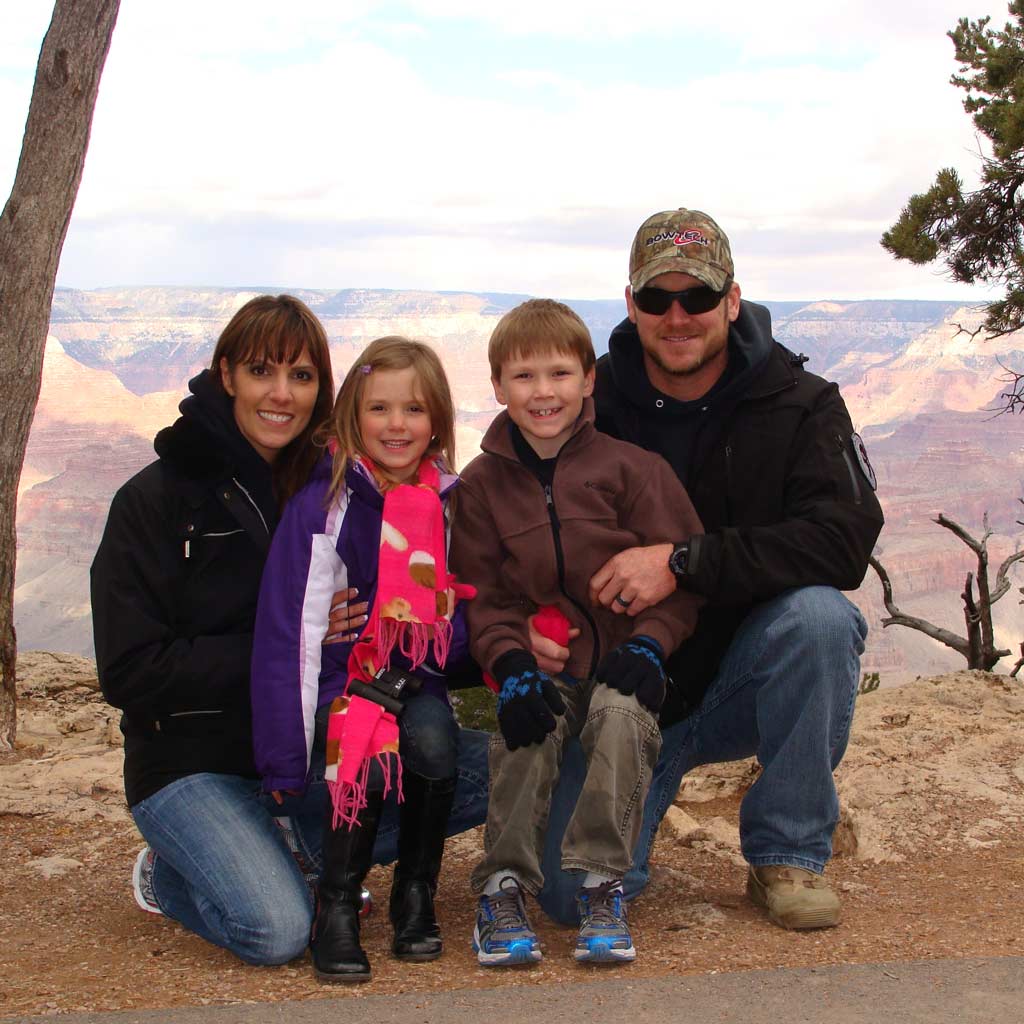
(771, 464)
(174, 587)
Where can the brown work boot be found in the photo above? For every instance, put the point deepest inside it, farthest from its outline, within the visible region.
(793, 897)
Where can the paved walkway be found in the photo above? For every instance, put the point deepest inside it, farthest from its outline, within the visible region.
(989, 991)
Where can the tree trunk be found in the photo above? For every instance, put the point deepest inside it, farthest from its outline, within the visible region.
(972, 620)
(32, 229)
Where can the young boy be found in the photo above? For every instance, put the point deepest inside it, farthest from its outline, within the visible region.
(539, 512)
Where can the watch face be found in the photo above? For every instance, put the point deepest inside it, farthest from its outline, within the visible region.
(677, 560)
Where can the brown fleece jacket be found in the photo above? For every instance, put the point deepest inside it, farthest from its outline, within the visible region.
(522, 550)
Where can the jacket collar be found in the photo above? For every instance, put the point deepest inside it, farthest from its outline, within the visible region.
(498, 441)
(205, 448)
(361, 481)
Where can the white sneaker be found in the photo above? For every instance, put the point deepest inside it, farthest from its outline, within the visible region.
(142, 882)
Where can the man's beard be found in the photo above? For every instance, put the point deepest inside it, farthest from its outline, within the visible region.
(674, 371)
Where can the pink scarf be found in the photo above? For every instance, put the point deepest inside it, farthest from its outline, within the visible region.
(411, 613)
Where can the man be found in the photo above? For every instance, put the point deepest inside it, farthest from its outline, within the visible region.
(786, 494)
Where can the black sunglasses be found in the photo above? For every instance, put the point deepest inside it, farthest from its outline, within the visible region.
(700, 299)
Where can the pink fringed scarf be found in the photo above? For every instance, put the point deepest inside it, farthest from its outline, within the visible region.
(411, 613)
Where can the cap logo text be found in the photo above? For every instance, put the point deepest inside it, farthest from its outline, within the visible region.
(689, 237)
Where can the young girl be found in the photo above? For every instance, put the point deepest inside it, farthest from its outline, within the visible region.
(371, 518)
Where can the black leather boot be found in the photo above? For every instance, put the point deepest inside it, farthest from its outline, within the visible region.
(348, 854)
(422, 821)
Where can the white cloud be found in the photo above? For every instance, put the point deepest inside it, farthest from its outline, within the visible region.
(255, 142)
(793, 26)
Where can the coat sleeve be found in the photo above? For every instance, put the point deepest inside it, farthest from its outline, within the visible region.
(661, 512)
(497, 619)
(302, 573)
(831, 521)
(145, 667)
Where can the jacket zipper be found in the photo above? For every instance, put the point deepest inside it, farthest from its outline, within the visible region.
(854, 482)
(728, 483)
(184, 714)
(556, 528)
(253, 503)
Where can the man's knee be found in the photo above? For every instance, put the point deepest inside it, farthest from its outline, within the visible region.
(822, 619)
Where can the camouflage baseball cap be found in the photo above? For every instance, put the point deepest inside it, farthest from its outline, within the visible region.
(685, 241)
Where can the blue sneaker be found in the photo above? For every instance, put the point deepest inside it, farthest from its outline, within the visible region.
(503, 936)
(604, 935)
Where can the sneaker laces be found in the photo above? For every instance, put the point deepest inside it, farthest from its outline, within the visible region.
(507, 905)
(603, 903)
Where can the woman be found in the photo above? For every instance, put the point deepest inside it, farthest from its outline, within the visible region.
(174, 588)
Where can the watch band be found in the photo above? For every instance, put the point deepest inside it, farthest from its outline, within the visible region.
(679, 559)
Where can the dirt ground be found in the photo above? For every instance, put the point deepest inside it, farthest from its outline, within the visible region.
(930, 863)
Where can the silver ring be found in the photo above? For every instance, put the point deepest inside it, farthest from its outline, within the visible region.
(619, 601)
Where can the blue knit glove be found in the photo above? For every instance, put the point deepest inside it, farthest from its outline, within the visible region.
(528, 701)
(636, 667)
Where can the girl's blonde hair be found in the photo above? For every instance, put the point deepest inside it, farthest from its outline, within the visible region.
(392, 353)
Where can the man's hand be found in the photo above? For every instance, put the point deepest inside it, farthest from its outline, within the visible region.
(634, 579)
(528, 701)
(551, 656)
(345, 618)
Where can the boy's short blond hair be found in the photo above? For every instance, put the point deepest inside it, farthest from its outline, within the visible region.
(538, 326)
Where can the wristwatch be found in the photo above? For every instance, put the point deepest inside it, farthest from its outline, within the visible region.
(677, 561)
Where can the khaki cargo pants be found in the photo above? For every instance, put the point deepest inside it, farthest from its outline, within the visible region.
(621, 742)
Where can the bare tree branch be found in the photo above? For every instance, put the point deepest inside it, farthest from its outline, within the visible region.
(898, 618)
(1020, 661)
(978, 646)
(975, 545)
(1002, 581)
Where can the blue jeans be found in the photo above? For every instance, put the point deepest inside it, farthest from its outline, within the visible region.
(785, 692)
(223, 869)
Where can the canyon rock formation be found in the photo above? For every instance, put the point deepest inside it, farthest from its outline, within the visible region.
(921, 392)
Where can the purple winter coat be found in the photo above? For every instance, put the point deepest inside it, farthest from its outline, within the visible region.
(318, 549)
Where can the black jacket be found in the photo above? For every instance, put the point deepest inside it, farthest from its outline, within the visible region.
(772, 468)
(174, 588)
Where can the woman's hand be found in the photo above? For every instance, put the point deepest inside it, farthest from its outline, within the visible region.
(345, 618)
(279, 795)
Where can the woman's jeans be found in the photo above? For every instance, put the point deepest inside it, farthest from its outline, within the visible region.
(223, 868)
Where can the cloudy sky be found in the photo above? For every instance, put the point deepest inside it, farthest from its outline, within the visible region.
(513, 147)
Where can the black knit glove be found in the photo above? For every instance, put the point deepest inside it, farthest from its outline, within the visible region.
(636, 667)
(528, 701)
